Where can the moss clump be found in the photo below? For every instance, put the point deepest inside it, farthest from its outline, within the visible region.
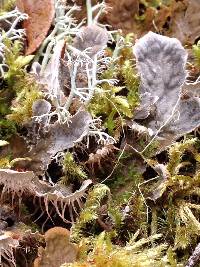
(172, 196)
(19, 86)
(196, 53)
(4, 162)
(131, 81)
(176, 152)
(116, 102)
(101, 252)
(71, 169)
(7, 129)
(124, 182)
(6, 6)
(27, 92)
(90, 211)
(14, 61)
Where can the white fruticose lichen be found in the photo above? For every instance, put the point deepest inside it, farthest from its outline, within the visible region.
(79, 71)
(71, 70)
(85, 61)
(97, 9)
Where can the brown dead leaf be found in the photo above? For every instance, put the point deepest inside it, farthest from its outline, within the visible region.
(121, 14)
(41, 14)
(58, 249)
(185, 24)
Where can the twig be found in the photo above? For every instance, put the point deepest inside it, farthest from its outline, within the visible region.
(195, 258)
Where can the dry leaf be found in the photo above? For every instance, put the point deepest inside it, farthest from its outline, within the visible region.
(58, 249)
(41, 14)
(185, 23)
(121, 14)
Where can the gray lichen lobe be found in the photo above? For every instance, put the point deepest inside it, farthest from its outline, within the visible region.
(161, 64)
(58, 138)
(92, 37)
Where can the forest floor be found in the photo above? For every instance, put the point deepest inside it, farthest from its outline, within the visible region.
(99, 133)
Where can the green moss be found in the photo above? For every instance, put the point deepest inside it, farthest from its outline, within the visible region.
(132, 82)
(7, 129)
(196, 53)
(18, 85)
(90, 210)
(117, 102)
(4, 105)
(106, 100)
(6, 5)
(22, 106)
(151, 149)
(15, 61)
(175, 209)
(5, 162)
(125, 180)
(176, 152)
(72, 170)
(102, 253)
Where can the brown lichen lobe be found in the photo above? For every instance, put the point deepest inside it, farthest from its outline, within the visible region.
(58, 249)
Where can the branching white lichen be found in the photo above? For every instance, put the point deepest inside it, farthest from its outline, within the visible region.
(90, 67)
(100, 135)
(97, 9)
(86, 59)
(83, 62)
(79, 65)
